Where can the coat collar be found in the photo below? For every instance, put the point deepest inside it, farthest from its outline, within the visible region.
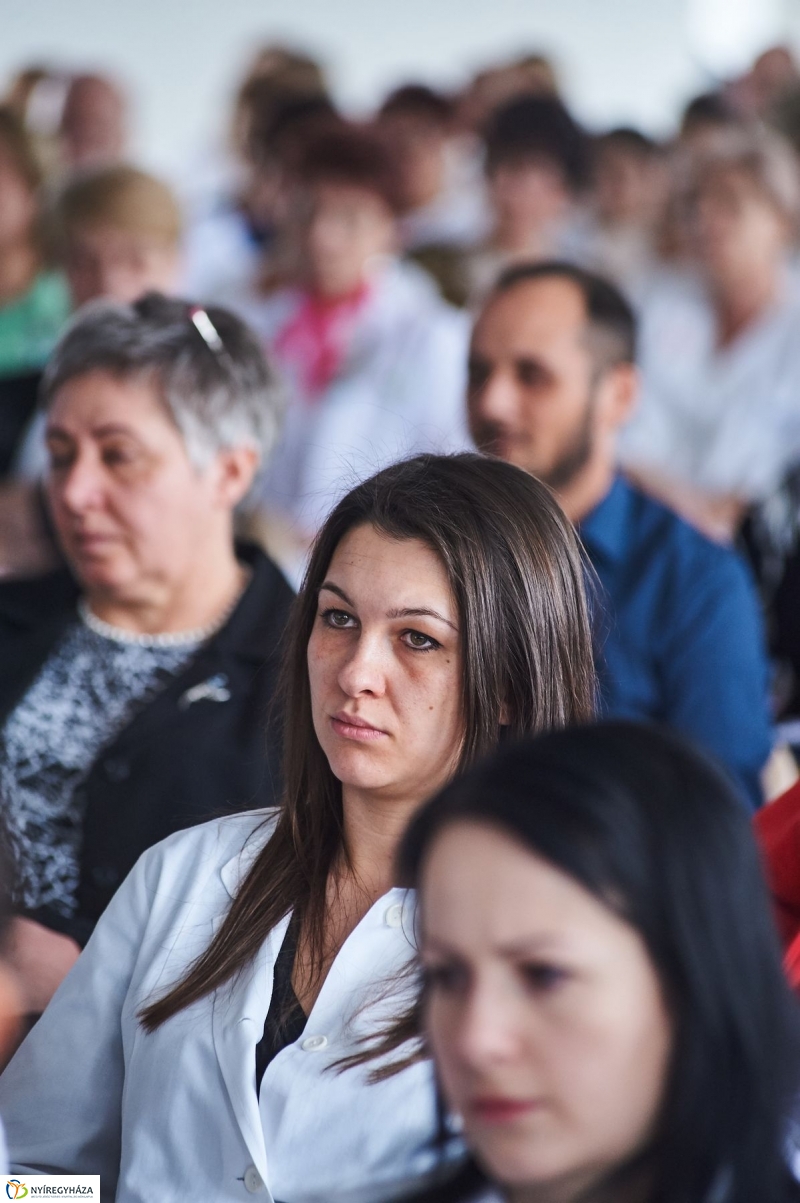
(239, 1007)
(234, 870)
(246, 633)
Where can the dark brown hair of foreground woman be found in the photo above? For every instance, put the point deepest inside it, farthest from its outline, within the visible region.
(516, 573)
(653, 832)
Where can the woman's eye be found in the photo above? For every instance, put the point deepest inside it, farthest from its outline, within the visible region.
(543, 977)
(420, 642)
(59, 463)
(340, 620)
(444, 978)
(115, 456)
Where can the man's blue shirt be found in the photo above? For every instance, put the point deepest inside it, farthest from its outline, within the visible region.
(680, 640)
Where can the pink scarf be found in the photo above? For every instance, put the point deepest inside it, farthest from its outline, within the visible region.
(315, 340)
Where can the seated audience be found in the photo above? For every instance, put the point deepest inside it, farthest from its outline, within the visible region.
(628, 197)
(718, 426)
(267, 199)
(118, 235)
(438, 205)
(373, 359)
(773, 76)
(552, 381)
(276, 73)
(443, 609)
(33, 299)
(602, 988)
(705, 117)
(530, 74)
(94, 124)
(537, 164)
(234, 232)
(134, 683)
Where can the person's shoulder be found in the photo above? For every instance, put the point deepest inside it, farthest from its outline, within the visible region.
(267, 575)
(412, 317)
(691, 563)
(672, 536)
(405, 290)
(256, 626)
(187, 853)
(52, 294)
(673, 286)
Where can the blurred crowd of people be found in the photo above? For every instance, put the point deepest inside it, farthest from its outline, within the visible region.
(514, 405)
(350, 246)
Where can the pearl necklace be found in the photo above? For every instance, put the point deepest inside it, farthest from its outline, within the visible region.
(169, 639)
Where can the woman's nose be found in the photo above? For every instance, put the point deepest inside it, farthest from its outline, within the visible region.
(80, 487)
(497, 401)
(487, 1030)
(364, 670)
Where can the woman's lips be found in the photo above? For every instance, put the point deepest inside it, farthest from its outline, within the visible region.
(350, 726)
(498, 1110)
(91, 541)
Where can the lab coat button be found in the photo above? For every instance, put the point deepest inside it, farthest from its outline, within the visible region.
(252, 1180)
(394, 916)
(314, 1044)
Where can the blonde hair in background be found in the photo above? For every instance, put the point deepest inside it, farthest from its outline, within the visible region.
(123, 198)
(759, 153)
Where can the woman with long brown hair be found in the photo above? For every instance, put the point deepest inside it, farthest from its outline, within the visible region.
(198, 1045)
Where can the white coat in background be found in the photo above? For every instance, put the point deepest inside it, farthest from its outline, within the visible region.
(401, 390)
(174, 1114)
(724, 420)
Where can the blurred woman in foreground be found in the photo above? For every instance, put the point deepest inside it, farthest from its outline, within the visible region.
(603, 991)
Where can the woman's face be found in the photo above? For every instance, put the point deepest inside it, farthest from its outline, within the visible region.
(346, 229)
(736, 229)
(131, 510)
(544, 1012)
(18, 203)
(531, 193)
(102, 261)
(384, 666)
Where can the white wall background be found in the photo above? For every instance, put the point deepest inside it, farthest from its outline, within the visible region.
(621, 60)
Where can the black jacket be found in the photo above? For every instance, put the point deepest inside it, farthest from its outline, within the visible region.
(181, 760)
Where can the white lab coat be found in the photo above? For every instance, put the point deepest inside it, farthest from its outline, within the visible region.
(401, 390)
(174, 1115)
(724, 420)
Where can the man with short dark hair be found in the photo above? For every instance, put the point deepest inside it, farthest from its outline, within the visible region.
(551, 381)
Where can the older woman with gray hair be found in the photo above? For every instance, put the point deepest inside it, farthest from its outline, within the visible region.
(134, 685)
(718, 422)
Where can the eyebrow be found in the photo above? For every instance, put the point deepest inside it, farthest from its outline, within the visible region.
(413, 612)
(110, 428)
(547, 943)
(339, 592)
(421, 612)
